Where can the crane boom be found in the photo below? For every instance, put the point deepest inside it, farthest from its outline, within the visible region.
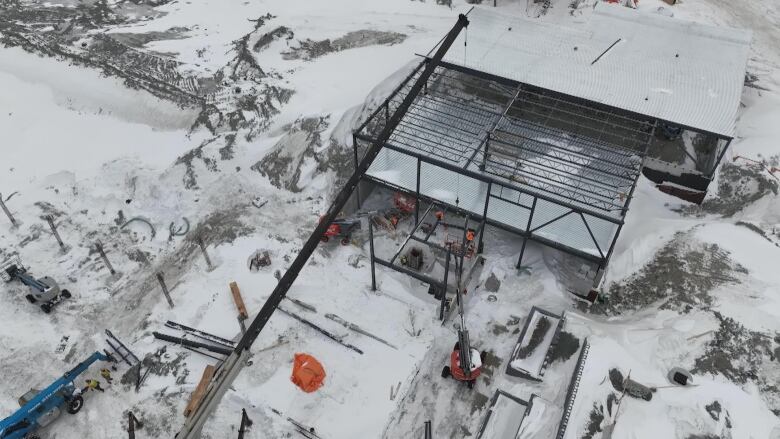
(233, 364)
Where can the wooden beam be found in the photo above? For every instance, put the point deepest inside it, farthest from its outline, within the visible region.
(242, 314)
(200, 390)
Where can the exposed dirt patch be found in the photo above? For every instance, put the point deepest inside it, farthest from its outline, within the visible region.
(269, 37)
(310, 49)
(715, 411)
(140, 39)
(739, 185)
(680, 277)
(283, 164)
(188, 161)
(616, 378)
(596, 417)
(567, 346)
(499, 329)
(479, 402)
(735, 352)
(742, 356)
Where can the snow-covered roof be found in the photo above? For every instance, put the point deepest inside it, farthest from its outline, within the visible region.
(670, 69)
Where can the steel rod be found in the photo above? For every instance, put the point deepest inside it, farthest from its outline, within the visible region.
(406, 241)
(102, 253)
(8, 212)
(50, 220)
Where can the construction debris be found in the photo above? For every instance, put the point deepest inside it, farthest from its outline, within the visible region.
(258, 260)
(302, 304)
(320, 330)
(102, 253)
(202, 246)
(143, 220)
(50, 220)
(357, 329)
(239, 301)
(637, 390)
(178, 231)
(8, 212)
(219, 349)
(200, 390)
(679, 376)
(200, 334)
(307, 432)
(165, 290)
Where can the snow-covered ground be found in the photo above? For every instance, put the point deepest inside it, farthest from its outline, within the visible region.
(690, 287)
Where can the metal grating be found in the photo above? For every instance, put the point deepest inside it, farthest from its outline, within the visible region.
(525, 138)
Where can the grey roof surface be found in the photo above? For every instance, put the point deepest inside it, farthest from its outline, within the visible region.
(674, 70)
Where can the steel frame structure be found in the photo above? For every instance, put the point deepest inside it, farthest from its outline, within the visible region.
(457, 254)
(533, 149)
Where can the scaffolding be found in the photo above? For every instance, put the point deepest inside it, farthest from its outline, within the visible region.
(551, 168)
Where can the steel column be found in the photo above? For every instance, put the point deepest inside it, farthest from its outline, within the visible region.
(527, 233)
(357, 162)
(484, 218)
(417, 195)
(446, 278)
(371, 250)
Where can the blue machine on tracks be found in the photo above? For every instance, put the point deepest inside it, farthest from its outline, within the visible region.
(40, 408)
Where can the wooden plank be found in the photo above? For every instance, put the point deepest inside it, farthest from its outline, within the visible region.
(200, 390)
(242, 314)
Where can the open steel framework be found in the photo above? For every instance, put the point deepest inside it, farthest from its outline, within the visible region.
(551, 168)
(454, 252)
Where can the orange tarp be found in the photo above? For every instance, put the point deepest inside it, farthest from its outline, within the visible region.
(307, 373)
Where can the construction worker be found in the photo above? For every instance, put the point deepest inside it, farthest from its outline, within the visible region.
(94, 385)
(106, 374)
